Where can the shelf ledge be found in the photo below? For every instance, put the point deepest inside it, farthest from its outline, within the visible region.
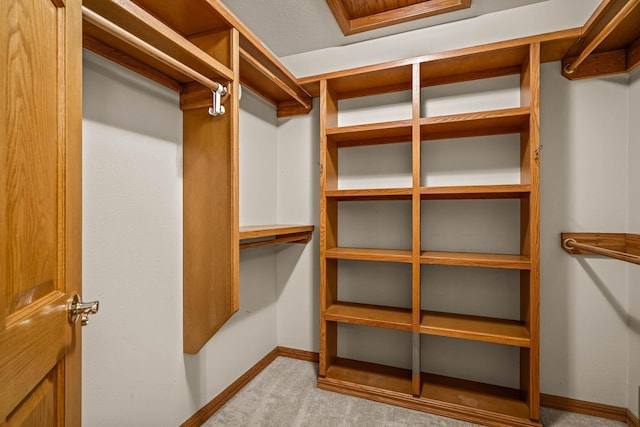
(274, 234)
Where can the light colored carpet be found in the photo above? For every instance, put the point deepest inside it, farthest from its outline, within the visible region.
(285, 395)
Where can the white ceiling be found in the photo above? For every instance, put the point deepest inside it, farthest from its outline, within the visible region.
(288, 27)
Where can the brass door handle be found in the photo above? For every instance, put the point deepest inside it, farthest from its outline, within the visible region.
(82, 310)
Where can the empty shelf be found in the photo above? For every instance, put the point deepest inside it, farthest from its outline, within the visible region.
(471, 259)
(366, 254)
(274, 234)
(370, 315)
(499, 331)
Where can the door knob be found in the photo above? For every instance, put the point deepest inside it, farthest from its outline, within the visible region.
(81, 310)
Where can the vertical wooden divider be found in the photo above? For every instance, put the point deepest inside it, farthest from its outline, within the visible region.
(530, 230)
(415, 215)
(210, 204)
(328, 226)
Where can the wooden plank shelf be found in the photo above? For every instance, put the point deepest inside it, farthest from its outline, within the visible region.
(496, 122)
(370, 194)
(472, 259)
(368, 254)
(510, 191)
(471, 401)
(610, 42)
(371, 134)
(370, 315)
(274, 234)
(498, 331)
(175, 28)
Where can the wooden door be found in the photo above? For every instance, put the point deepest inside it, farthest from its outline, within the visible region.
(40, 211)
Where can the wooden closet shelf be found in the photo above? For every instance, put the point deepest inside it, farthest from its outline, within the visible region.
(499, 331)
(466, 400)
(370, 194)
(371, 134)
(370, 315)
(509, 191)
(511, 120)
(609, 44)
(174, 28)
(274, 234)
(367, 254)
(465, 64)
(471, 259)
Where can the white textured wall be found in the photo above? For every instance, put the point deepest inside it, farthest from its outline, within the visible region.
(299, 203)
(634, 227)
(538, 18)
(134, 371)
(584, 189)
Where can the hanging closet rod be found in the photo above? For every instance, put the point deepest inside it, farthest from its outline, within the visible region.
(569, 243)
(601, 36)
(111, 28)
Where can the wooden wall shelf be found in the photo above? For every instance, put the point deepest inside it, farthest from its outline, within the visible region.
(490, 405)
(274, 234)
(609, 43)
(177, 28)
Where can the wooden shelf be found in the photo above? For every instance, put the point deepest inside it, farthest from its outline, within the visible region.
(466, 400)
(483, 404)
(510, 191)
(366, 254)
(370, 315)
(367, 377)
(610, 42)
(274, 234)
(498, 331)
(497, 122)
(370, 194)
(444, 67)
(470, 259)
(371, 134)
(173, 27)
(477, 402)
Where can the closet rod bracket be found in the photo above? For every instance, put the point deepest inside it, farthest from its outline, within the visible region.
(217, 109)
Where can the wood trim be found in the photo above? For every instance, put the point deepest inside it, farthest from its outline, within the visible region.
(293, 353)
(217, 402)
(362, 21)
(547, 400)
(583, 407)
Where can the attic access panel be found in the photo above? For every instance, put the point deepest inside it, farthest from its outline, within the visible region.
(357, 16)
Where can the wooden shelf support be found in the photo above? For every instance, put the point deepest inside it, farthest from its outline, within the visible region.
(621, 246)
(274, 234)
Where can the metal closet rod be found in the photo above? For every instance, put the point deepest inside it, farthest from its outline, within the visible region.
(570, 243)
(116, 31)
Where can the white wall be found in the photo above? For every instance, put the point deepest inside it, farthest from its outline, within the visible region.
(584, 186)
(634, 227)
(134, 370)
(538, 18)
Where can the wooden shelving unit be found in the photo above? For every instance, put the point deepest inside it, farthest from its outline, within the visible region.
(254, 236)
(194, 47)
(415, 388)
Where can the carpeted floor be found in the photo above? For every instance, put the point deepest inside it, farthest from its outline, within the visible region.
(285, 395)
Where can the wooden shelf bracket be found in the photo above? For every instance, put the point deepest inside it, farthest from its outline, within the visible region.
(620, 246)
